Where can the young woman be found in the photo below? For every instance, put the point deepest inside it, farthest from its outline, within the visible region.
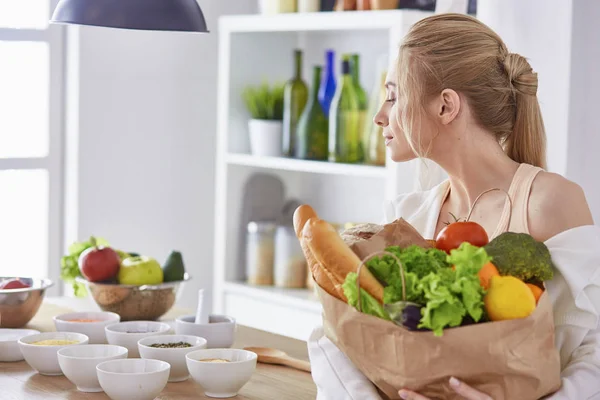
(458, 97)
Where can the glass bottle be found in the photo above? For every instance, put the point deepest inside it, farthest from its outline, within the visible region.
(295, 96)
(345, 141)
(312, 135)
(328, 83)
(363, 102)
(376, 151)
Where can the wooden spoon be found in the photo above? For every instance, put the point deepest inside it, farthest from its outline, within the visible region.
(274, 356)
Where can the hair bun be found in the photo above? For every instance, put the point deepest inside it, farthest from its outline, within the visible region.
(520, 74)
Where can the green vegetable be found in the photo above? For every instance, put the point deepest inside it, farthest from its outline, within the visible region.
(173, 268)
(69, 264)
(368, 304)
(447, 295)
(521, 256)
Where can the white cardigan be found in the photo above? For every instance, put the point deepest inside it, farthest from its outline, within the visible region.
(575, 294)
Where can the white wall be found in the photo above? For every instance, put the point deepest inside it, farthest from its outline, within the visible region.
(559, 41)
(141, 140)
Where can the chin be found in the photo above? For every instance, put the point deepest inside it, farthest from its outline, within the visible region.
(402, 156)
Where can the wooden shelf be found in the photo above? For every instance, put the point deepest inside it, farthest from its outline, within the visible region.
(293, 298)
(321, 21)
(317, 167)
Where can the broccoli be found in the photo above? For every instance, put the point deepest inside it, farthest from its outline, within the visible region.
(519, 255)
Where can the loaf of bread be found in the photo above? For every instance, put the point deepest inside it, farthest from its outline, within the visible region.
(319, 273)
(336, 257)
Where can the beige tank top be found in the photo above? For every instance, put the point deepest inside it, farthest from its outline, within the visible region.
(519, 192)
(515, 219)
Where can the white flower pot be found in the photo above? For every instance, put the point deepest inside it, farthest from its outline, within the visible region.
(266, 137)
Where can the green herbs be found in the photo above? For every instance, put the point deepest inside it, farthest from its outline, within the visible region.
(264, 102)
(177, 345)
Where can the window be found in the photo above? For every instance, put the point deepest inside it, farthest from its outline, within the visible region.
(31, 118)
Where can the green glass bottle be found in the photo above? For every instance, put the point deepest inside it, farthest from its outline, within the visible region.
(295, 97)
(345, 133)
(363, 101)
(312, 135)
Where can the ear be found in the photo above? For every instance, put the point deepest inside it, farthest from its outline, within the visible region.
(448, 106)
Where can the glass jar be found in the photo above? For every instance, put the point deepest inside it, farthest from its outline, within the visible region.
(290, 264)
(260, 252)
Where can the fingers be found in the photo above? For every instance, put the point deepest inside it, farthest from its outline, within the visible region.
(467, 391)
(408, 395)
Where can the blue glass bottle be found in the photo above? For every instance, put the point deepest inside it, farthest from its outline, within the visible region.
(328, 86)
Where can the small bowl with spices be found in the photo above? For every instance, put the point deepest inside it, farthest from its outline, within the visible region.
(127, 334)
(221, 372)
(172, 349)
(40, 350)
(89, 323)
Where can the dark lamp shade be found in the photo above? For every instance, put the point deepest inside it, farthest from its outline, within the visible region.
(150, 15)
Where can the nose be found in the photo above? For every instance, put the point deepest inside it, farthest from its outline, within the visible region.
(381, 118)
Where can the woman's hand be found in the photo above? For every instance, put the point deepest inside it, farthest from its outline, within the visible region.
(459, 387)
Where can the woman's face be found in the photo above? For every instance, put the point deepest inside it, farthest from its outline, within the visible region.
(389, 118)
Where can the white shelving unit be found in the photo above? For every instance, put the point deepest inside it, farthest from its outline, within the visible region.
(253, 48)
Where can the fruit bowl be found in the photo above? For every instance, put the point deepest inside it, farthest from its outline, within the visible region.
(19, 306)
(134, 303)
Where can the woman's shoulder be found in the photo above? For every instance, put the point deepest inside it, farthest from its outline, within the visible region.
(411, 205)
(556, 204)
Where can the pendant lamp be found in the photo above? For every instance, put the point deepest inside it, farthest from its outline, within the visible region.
(150, 15)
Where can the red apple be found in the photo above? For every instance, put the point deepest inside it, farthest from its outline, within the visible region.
(13, 284)
(99, 263)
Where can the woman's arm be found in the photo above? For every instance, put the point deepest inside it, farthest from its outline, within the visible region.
(334, 374)
(581, 376)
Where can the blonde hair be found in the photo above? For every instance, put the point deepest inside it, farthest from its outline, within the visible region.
(455, 51)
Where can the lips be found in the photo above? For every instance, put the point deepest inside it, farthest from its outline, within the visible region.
(388, 138)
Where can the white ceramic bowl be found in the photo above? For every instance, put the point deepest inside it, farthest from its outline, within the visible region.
(127, 334)
(133, 379)
(78, 363)
(44, 359)
(223, 379)
(174, 356)
(219, 332)
(9, 343)
(93, 330)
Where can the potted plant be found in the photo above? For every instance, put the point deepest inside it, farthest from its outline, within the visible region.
(265, 104)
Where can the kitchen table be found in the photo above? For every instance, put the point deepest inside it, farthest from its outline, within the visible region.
(19, 382)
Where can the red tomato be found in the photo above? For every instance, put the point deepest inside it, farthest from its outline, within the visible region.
(453, 235)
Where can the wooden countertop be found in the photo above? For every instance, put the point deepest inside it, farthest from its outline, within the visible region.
(19, 382)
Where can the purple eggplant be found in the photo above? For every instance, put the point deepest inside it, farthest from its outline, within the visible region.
(411, 317)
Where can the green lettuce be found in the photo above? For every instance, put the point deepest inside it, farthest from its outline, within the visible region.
(369, 305)
(447, 295)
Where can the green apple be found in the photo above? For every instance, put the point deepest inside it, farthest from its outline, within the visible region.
(140, 270)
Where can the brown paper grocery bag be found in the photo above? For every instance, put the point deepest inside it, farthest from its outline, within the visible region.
(510, 360)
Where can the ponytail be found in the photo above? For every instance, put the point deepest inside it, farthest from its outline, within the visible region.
(527, 141)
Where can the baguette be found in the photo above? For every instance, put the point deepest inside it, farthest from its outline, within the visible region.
(320, 274)
(336, 257)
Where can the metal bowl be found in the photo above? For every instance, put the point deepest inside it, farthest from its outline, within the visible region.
(134, 303)
(19, 306)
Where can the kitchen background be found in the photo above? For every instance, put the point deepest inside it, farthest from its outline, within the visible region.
(136, 155)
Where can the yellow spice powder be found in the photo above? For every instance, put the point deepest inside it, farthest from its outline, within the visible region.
(54, 342)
